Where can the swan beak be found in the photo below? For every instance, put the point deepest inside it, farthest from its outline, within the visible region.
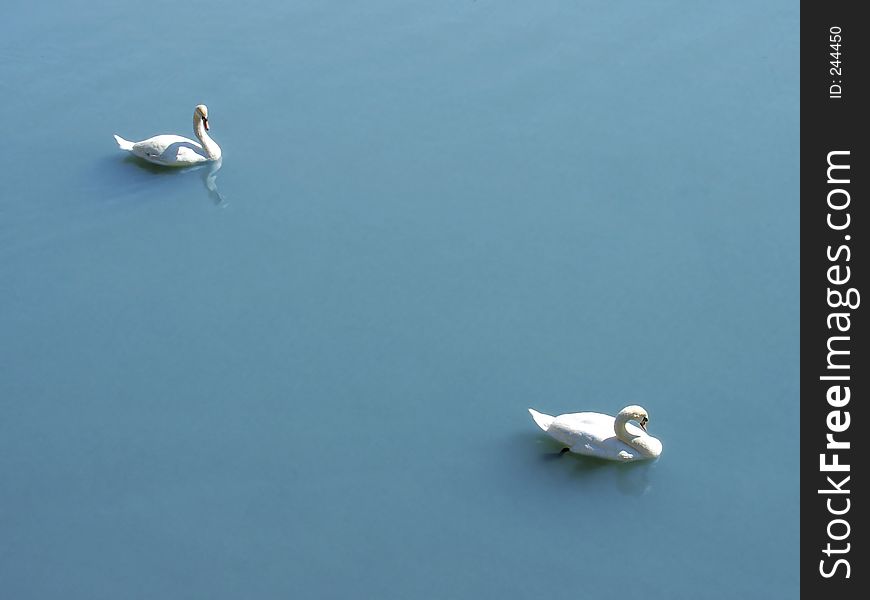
(205, 122)
(643, 424)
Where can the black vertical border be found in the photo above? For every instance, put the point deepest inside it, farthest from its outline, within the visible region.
(833, 124)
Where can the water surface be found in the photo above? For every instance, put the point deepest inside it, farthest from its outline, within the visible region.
(311, 378)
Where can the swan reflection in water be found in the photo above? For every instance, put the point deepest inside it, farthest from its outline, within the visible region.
(207, 171)
(209, 178)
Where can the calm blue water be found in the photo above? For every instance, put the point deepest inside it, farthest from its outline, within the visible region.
(312, 381)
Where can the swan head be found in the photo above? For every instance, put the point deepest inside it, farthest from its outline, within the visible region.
(635, 413)
(201, 113)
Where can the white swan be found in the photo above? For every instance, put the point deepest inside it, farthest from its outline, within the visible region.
(174, 150)
(597, 434)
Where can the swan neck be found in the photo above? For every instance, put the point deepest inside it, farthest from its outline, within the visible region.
(212, 150)
(621, 431)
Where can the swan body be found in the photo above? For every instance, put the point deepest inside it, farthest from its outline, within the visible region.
(603, 436)
(174, 150)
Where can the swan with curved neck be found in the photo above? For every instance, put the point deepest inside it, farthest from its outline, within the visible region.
(603, 436)
(174, 150)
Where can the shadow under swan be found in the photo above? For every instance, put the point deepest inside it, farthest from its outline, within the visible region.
(629, 478)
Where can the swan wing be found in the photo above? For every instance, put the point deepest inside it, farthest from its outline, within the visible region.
(584, 426)
(581, 428)
(611, 448)
(189, 155)
(169, 150)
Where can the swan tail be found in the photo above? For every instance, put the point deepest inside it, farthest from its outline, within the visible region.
(543, 421)
(123, 144)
